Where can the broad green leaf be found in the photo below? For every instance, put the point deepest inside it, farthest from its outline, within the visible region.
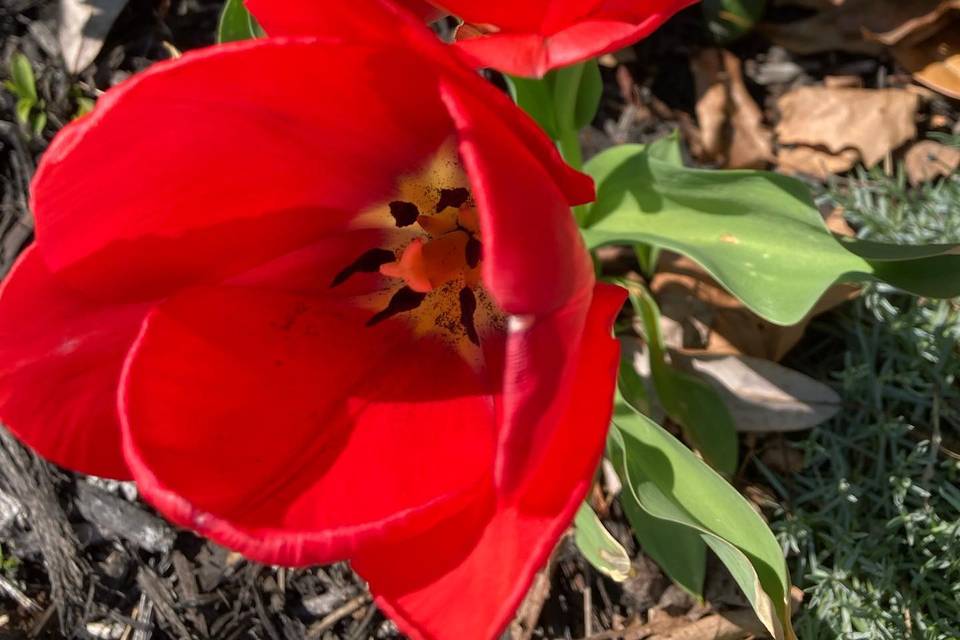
(535, 96)
(666, 149)
(730, 19)
(676, 548)
(689, 401)
(632, 386)
(236, 23)
(671, 483)
(589, 95)
(599, 547)
(758, 233)
(21, 74)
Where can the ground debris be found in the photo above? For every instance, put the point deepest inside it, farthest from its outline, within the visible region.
(115, 516)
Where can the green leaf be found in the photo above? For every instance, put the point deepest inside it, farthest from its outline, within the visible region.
(648, 256)
(535, 96)
(731, 19)
(666, 149)
(599, 547)
(759, 234)
(589, 95)
(84, 106)
(23, 108)
(21, 73)
(689, 401)
(632, 385)
(39, 122)
(542, 98)
(676, 548)
(236, 23)
(672, 484)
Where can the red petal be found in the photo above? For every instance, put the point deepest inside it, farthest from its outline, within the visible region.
(534, 257)
(564, 36)
(228, 157)
(282, 427)
(315, 18)
(470, 573)
(423, 10)
(60, 360)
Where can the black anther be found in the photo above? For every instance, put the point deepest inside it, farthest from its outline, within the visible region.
(369, 262)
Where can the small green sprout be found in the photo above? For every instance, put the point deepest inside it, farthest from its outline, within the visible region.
(30, 109)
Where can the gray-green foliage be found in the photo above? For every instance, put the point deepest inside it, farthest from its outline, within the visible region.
(872, 524)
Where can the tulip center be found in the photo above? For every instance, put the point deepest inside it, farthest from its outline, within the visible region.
(431, 258)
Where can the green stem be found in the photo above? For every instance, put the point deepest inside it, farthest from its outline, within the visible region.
(566, 92)
(569, 146)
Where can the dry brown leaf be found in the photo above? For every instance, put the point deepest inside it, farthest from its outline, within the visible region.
(730, 625)
(763, 396)
(935, 62)
(874, 122)
(84, 24)
(929, 20)
(731, 123)
(928, 160)
(924, 35)
(712, 319)
(837, 223)
(783, 457)
(843, 82)
(816, 163)
(856, 26)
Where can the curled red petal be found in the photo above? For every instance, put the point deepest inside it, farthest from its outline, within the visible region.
(470, 572)
(557, 36)
(283, 427)
(60, 361)
(534, 258)
(230, 157)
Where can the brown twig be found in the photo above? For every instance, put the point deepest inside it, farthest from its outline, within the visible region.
(317, 629)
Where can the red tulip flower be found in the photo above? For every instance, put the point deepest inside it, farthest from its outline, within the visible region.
(531, 37)
(322, 298)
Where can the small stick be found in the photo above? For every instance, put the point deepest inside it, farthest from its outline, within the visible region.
(144, 618)
(25, 601)
(316, 630)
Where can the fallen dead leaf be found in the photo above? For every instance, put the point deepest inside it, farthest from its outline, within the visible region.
(924, 35)
(927, 160)
(837, 223)
(929, 18)
(873, 122)
(855, 26)
(843, 82)
(816, 163)
(763, 396)
(83, 26)
(935, 61)
(700, 314)
(783, 457)
(732, 132)
(731, 625)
